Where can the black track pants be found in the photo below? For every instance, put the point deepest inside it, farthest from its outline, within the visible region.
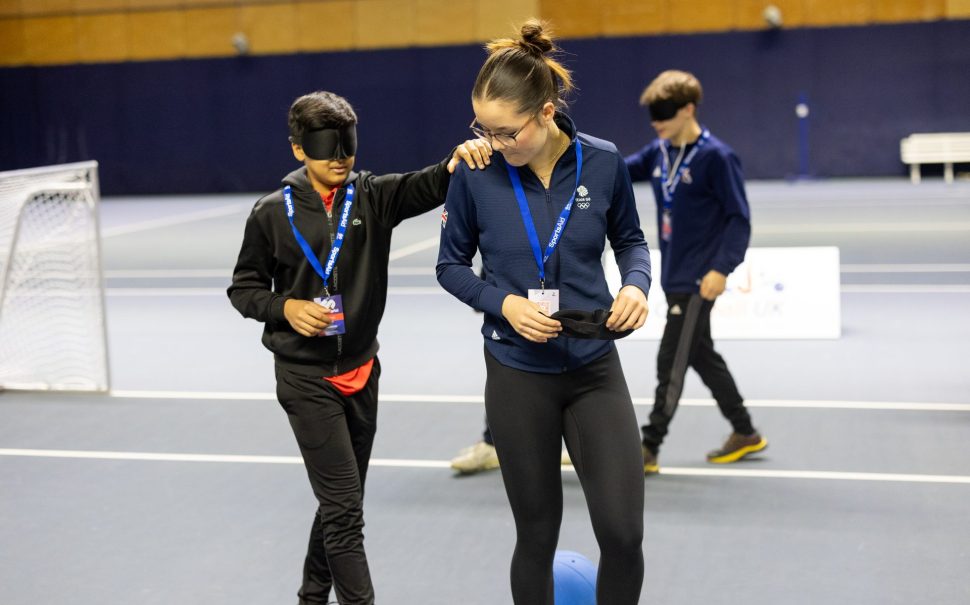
(687, 342)
(335, 433)
(529, 414)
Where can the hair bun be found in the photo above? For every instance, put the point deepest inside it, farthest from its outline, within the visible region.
(534, 39)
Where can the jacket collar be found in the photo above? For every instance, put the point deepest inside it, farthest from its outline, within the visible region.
(300, 182)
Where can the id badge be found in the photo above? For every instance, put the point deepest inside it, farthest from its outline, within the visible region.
(548, 300)
(666, 225)
(336, 307)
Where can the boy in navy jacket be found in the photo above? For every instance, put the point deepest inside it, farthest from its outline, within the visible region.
(704, 225)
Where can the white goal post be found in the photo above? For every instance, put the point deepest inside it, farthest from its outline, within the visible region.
(53, 334)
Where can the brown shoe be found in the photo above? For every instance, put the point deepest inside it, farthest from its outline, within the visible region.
(737, 447)
(650, 464)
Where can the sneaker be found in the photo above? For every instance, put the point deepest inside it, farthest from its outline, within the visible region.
(737, 447)
(650, 464)
(475, 459)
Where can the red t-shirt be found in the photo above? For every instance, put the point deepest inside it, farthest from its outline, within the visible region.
(353, 381)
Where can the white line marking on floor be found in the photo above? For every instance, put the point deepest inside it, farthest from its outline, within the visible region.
(414, 248)
(167, 273)
(906, 268)
(442, 464)
(645, 401)
(866, 227)
(906, 289)
(430, 271)
(437, 291)
(171, 221)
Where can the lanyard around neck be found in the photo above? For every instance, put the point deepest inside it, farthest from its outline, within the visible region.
(668, 184)
(530, 228)
(338, 241)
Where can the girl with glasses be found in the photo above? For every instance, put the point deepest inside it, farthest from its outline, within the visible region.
(540, 218)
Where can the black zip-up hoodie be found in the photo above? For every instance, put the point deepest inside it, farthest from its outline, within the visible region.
(272, 267)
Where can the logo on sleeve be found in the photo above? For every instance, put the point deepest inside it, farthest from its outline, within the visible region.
(444, 219)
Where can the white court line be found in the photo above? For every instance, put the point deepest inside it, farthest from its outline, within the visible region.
(906, 268)
(441, 464)
(414, 248)
(166, 273)
(438, 291)
(906, 289)
(867, 227)
(645, 401)
(169, 221)
(421, 270)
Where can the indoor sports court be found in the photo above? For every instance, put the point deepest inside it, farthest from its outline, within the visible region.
(170, 475)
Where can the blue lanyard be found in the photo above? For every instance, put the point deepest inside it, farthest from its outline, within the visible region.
(338, 241)
(668, 188)
(530, 227)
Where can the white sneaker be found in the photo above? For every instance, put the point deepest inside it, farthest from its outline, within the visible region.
(475, 459)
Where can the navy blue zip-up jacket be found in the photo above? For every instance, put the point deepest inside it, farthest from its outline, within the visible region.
(481, 213)
(711, 219)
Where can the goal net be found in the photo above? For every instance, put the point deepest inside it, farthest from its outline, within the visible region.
(52, 318)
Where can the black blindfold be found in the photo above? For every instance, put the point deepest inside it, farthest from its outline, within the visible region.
(664, 109)
(587, 324)
(330, 143)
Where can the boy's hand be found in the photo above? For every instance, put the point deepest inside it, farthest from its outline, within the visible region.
(713, 285)
(629, 310)
(306, 317)
(528, 319)
(475, 153)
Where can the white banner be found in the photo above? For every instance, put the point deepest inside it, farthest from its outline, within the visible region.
(776, 293)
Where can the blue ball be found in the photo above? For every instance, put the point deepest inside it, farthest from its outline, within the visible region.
(574, 579)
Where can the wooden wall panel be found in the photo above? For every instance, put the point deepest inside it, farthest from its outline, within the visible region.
(621, 18)
(751, 13)
(893, 11)
(693, 16)
(50, 40)
(10, 8)
(209, 32)
(838, 12)
(574, 18)
(157, 5)
(957, 9)
(381, 23)
(102, 37)
(502, 18)
(271, 28)
(100, 6)
(12, 50)
(67, 31)
(59, 8)
(156, 35)
(440, 23)
(317, 20)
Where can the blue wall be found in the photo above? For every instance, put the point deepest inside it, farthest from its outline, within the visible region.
(220, 125)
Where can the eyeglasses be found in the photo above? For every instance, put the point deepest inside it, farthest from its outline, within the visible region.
(507, 140)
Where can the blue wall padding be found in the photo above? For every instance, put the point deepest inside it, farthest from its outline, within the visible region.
(219, 125)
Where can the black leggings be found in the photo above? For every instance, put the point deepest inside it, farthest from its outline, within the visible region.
(529, 415)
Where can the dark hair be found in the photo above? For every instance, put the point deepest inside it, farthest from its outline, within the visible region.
(320, 109)
(681, 87)
(520, 71)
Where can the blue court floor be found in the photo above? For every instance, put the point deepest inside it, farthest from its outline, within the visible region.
(184, 485)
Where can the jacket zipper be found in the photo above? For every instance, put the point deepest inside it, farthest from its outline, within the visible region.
(340, 338)
(548, 192)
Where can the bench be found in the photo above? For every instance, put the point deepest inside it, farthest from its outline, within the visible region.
(944, 148)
